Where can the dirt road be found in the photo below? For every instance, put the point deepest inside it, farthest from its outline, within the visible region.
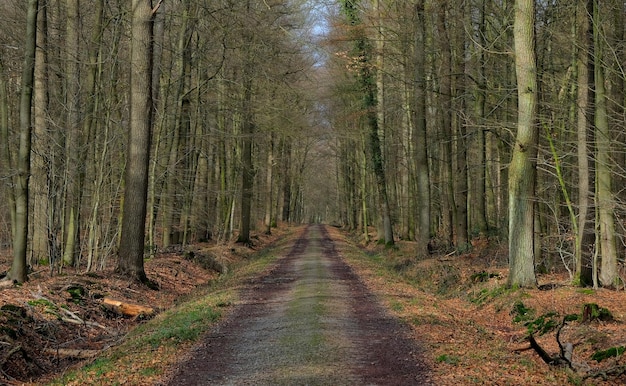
(309, 321)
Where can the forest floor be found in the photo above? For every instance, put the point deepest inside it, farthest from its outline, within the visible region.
(471, 328)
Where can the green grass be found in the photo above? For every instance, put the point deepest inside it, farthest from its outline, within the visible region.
(157, 344)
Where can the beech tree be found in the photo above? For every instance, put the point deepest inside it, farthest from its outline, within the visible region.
(131, 252)
(19, 269)
(368, 89)
(522, 169)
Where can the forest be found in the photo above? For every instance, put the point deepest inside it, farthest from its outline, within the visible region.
(129, 127)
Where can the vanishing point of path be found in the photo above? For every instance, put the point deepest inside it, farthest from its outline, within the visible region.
(309, 321)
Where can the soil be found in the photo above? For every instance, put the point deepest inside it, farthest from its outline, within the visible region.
(309, 321)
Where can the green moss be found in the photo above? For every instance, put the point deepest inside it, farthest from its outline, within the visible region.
(612, 352)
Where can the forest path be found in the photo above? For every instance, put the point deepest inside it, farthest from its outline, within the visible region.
(309, 321)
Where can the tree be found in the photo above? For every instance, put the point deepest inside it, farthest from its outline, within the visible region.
(247, 133)
(73, 189)
(585, 238)
(131, 250)
(522, 170)
(366, 81)
(19, 270)
(420, 135)
(604, 191)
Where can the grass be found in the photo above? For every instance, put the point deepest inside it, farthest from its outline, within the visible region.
(151, 348)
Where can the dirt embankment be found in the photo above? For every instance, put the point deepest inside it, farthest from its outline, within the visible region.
(310, 320)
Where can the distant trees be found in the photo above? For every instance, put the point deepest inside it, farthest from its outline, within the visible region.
(367, 85)
(406, 119)
(483, 129)
(199, 88)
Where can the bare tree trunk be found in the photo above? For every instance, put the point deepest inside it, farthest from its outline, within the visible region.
(605, 203)
(73, 141)
(477, 148)
(19, 270)
(41, 147)
(99, 157)
(5, 153)
(159, 117)
(170, 201)
(247, 174)
(131, 249)
(247, 132)
(420, 135)
(585, 238)
(460, 182)
(522, 171)
(269, 185)
(445, 91)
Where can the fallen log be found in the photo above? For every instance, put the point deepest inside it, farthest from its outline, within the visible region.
(127, 309)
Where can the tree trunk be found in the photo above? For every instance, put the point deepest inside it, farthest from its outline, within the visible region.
(131, 249)
(159, 116)
(269, 185)
(367, 88)
(604, 192)
(247, 174)
(420, 135)
(585, 238)
(40, 192)
(72, 141)
(247, 133)
(458, 71)
(170, 200)
(477, 148)
(445, 113)
(19, 270)
(522, 170)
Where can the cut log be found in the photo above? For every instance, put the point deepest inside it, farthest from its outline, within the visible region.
(127, 309)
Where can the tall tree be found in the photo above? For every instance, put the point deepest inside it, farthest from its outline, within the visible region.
(247, 133)
(522, 170)
(420, 135)
(40, 191)
(585, 239)
(368, 90)
(131, 250)
(604, 191)
(72, 139)
(19, 270)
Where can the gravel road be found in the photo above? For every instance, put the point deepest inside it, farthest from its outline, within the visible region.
(309, 321)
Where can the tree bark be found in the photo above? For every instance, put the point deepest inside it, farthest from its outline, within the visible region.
(19, 270)
(585, 238)
(420, 135)
(368, 90)
(131, 250)
(73, 136)
(247, 133)
(40, 192)
(445, 116)
(605, 203)
(522, 170)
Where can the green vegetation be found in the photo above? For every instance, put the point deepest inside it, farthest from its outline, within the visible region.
(592, 311)
(162, 339)
(449, 359)
(612, 352)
